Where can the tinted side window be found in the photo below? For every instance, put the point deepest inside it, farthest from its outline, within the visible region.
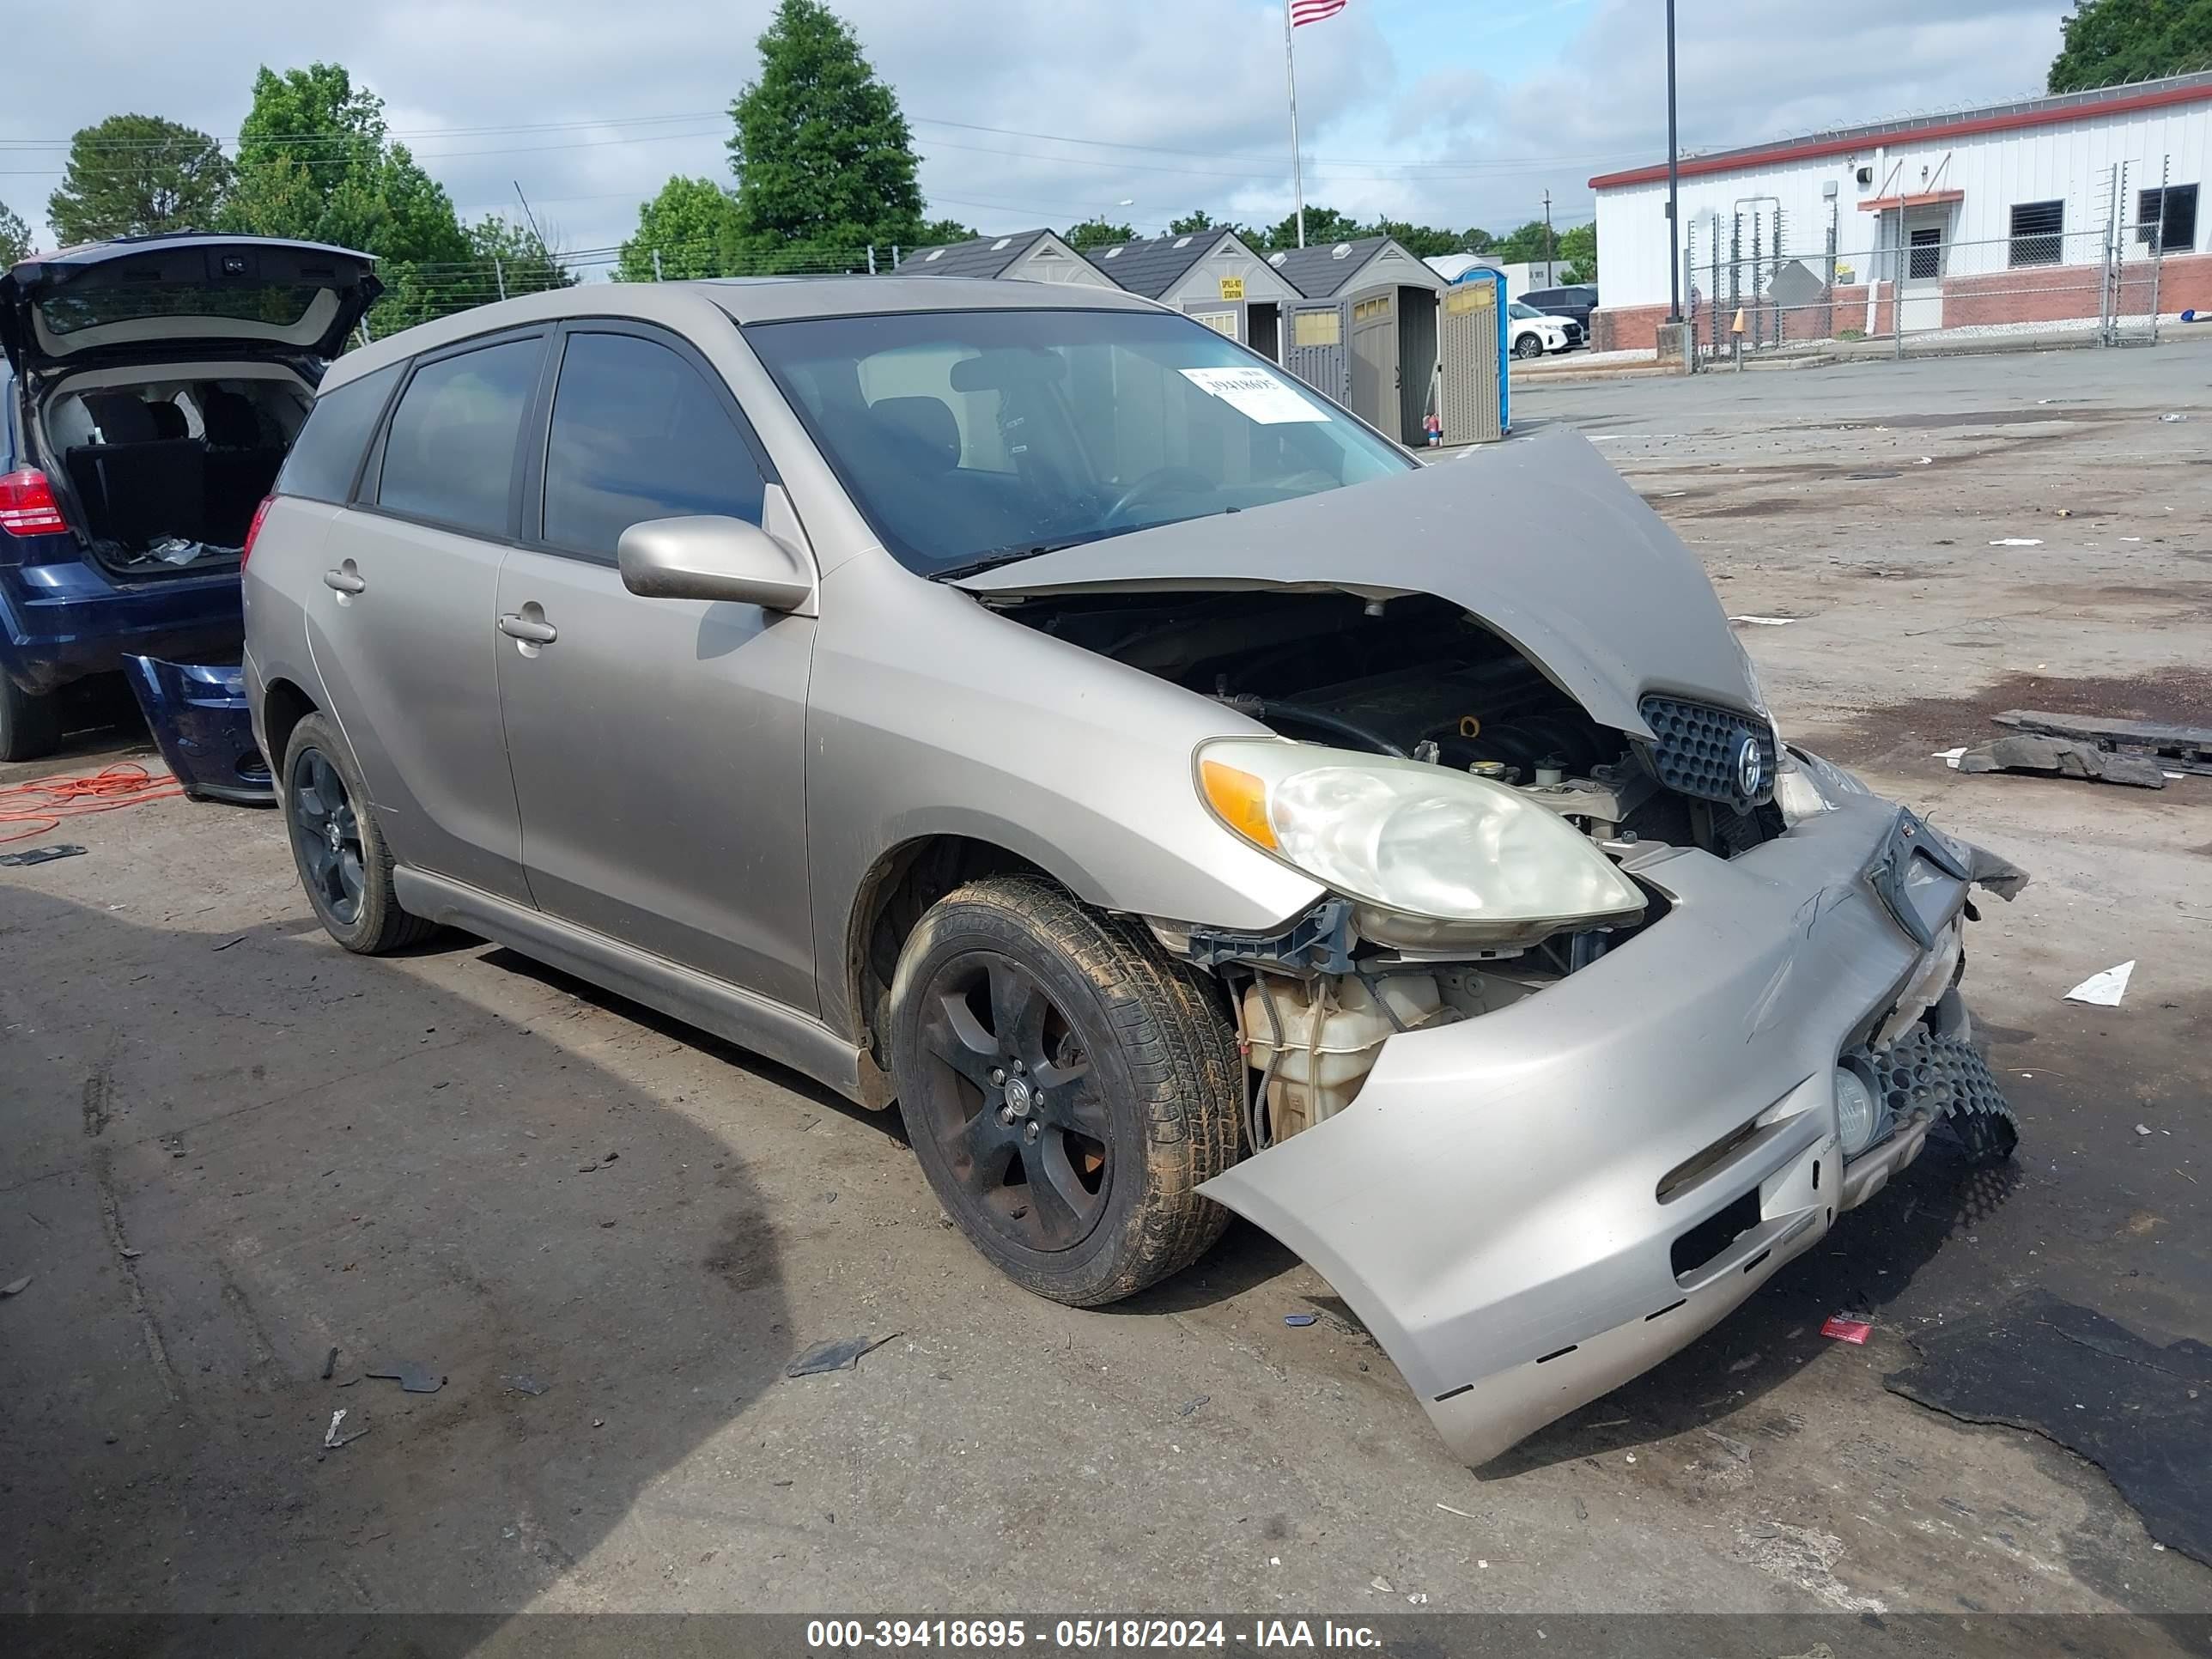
(638, 433)
(449, 453)
(327, 453)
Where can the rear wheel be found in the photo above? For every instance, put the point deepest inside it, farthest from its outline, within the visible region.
(1066, 1089)
(342, 862)
(30, 725)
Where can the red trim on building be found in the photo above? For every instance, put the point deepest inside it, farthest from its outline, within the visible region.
(1926, 198)
(1801, 149)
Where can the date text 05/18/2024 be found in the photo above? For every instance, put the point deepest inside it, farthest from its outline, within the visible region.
(1084, 1635)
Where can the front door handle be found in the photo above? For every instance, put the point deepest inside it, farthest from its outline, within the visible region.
(344, 581)
(530, 633)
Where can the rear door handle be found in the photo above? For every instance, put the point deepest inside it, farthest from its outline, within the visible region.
(344, 581)
(533, 633)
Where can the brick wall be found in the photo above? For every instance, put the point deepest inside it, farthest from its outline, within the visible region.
(1626, 328)
(2064, 293)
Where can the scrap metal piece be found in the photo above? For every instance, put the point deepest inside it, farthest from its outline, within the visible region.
(2065, 757)
(843, 1356)
(1944, 1077)
(2177, 748)
(41, 854)
(412, 1377)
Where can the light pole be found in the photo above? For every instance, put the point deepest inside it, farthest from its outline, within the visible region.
(1673, 186)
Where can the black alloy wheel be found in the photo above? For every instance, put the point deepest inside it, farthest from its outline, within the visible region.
(326, 836)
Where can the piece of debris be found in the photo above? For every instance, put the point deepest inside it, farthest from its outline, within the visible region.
(129, 1254)
(1846, 1330)
(2063, 757)
(332, 1439)
(412, 1377)
(2031, 1361)
(2175, 747)
(585, 1169)
(843, 1356)
(2104, 990)
(2018, 541)
(2143, 1129)
(1950, 757)
(330, 1364)
(1463, 1514)
(17, 1288)
(1925, 460)
(1764, 621)
(228, 943)
(1379, 1582)
(2170, 419)
(1190, 1405)
(523, 1382)
(41, 854)
(1302, 1319)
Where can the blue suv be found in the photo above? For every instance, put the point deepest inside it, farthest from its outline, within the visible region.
(151, 389)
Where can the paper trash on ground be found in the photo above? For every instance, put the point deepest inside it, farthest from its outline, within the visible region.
(2008, 541)
(2104, 990)
(1764, 621)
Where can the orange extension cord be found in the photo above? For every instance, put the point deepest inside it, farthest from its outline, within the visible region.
(43, 803)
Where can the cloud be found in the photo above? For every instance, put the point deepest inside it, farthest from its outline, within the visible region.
(590, 109)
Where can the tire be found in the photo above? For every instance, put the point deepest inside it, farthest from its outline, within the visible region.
(30, 725)
(1527, 346)
(344, 866)
(1077, 1175)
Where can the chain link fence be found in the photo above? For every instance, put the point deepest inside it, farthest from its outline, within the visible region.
(1756, 284)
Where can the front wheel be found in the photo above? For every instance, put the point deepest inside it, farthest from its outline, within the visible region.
(1066, 1089)
(1527, 346)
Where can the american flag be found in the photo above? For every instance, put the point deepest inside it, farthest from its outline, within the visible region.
(1312, 11)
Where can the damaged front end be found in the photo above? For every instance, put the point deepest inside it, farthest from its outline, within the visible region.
(1615, 1001)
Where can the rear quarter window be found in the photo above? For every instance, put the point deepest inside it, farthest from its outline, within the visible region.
(449, 450)
(326, 456)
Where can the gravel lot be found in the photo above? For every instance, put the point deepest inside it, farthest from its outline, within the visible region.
(231, 1148)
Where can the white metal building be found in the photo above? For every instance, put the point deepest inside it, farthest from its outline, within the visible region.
(1986, 216)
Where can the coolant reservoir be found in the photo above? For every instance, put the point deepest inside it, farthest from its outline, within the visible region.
(1330, 1029)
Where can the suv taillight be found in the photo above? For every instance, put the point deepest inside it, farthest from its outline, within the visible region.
(254, 529)
(27, 505)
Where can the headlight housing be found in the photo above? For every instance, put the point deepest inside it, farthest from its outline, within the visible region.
(1433, 857)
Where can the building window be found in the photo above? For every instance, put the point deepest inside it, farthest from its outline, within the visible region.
(2039, 232)
(2169, 226)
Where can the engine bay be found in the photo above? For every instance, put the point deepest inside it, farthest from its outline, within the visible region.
(1411, 676)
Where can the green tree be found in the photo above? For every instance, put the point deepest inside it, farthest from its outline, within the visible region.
(14, 237)
(690, 223)
(1324, 225)
(1191, 223)
(1097, 233)
(133, 174)
(511, 257)
(315, 162)
(823, 158)
(940, 232)
(1526, 245)
(2109, 41)
(1476, 239)
(1579, 248)
(1422, 241)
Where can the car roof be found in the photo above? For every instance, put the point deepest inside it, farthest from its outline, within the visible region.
(742, 299)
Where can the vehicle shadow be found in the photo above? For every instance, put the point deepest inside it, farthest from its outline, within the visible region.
(1868, 1263)
(246, 1171)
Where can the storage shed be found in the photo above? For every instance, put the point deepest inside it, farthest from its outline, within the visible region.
(1214, 275)
(1025, 256)
(1365, 332)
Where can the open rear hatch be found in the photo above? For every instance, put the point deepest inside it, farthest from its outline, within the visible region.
(236, 296)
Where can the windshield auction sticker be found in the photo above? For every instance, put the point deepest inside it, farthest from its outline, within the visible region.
(1255, 394)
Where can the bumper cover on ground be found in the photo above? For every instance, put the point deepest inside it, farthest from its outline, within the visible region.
(1490, 1205)
(198, 715)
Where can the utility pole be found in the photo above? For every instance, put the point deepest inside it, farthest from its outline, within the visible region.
(1551, 249)
(1673, 185)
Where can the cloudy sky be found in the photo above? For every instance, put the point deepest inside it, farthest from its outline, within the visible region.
(1454, 112)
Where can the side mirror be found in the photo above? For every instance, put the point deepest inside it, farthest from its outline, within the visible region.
(712, 557)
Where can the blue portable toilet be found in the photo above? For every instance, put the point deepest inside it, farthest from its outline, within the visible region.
(1472, 398)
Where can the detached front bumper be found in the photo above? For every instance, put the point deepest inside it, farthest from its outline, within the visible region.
(1520, 1206)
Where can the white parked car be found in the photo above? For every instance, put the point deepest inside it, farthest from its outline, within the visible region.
(1536, 332)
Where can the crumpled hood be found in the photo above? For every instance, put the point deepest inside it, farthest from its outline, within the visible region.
(1537, 536)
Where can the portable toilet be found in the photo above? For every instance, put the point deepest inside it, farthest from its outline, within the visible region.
(1365, 334)
(1473, 386)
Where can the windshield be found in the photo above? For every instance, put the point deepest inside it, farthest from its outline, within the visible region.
(1522, 308)
(971, 437)
(95, 305)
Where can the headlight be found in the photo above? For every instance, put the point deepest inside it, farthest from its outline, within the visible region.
(1857, 1113)
(1809, 786)
(1436, 857)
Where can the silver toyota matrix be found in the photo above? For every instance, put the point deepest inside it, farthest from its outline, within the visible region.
(1021, 704)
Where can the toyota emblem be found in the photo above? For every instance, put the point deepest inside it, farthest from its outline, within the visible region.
(1750, 769)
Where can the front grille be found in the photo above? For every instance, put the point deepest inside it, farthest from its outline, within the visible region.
(1700, 751)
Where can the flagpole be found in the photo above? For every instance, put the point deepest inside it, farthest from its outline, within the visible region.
(1297, 162)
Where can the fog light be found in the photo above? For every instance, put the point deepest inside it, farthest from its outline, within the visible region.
(1857, 1113)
